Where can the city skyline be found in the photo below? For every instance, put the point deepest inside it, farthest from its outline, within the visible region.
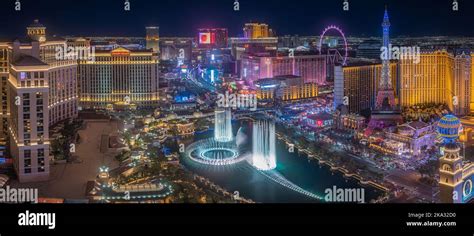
(301, 17)
(167, 103)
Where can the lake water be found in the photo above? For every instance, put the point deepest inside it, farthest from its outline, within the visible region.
(250, 183)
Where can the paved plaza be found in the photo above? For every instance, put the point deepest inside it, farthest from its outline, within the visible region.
(69, 180)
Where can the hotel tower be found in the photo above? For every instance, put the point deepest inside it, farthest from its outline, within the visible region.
(119, 78)
(41, 92)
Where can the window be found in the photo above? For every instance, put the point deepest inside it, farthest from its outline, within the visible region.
(40, 137)
(27, 153)
(28, 162)
(27, 170)
(22, 75)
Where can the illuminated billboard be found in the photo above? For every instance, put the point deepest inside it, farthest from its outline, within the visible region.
(207, 38)
(212, 38)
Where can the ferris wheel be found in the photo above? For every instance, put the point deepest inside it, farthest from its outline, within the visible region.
(337, 53)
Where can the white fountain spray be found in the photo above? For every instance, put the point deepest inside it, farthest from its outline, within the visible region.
(223, 125)
(263, 145)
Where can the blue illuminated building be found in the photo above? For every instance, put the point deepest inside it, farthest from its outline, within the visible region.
(456, 177)
(184, 97)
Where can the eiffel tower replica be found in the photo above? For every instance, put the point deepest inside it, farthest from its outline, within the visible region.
(386, 113)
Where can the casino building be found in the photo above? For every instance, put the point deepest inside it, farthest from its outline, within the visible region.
(257, 30)
(321, 120)
(119, 78)
(311, 68)
(253, 46)
(455, 176)
(359, 82)
(285, 88)
(414, 137)
(429, 81)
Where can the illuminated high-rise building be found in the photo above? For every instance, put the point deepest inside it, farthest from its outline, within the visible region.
(120, 78)
(28, 122)
(462, 84)
(4, 111)
(62, 71)
(153, 38)
(63, 97)
(285, 88)
(41, 92)
(258, 40)
(4, 73)
(428, 81)
(258, 47)
(359, 85)
(311, 68)
(257, 30)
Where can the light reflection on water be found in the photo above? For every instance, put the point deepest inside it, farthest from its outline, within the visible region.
(296, 168)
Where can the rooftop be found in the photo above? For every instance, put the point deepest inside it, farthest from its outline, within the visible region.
(27, 60)
(418, 124)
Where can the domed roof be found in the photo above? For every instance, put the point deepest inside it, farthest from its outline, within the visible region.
(449, 121)
(448, 128)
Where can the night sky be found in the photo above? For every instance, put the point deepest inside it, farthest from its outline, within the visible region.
(183, 17)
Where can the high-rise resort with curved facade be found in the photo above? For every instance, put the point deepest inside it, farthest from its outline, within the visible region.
(42, 91)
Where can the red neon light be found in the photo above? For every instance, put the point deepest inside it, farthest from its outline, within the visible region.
(120, 53)
(213, 38)
(320, 123)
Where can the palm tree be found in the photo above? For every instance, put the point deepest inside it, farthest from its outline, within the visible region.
(127, 136)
